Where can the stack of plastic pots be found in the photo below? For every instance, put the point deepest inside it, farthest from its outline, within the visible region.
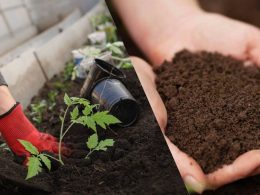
(104, 86)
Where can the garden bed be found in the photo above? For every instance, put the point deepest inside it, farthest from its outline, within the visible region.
(138, 163)
(213, 110)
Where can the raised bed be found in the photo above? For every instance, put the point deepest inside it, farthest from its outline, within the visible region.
(139, 162)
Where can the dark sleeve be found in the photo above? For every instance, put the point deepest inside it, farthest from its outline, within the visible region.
(2, 80)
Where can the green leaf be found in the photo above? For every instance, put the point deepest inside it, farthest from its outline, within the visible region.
(82, 101)
(67, 100)
(34, 167)
(87, 121)
(90, 123)
(87, 110)
(116, 50)
(29, 147)
(126, 65)
(103, 119)
(92, 141)
(46, 161)
(118, 44)
(75, 113)
(104, 144)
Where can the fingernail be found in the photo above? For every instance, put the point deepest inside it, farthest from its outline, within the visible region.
(193, 185)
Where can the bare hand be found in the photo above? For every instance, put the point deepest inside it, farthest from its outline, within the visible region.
(245, 165)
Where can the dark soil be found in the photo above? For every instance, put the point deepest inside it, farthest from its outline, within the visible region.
(213, 105)
(139, 163)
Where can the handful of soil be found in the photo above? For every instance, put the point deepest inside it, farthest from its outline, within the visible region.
(213, 105)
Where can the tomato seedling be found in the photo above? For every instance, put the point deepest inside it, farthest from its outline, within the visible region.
(36, 161)
(87, 117)
(37, 111)
(95, 145)
(52, 99)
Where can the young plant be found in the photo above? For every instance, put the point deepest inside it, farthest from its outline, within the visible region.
(119, 55)
(87, 117)
(100, 19)
(36, 161)
(37, 111)
(95, 145)
(104, 22)
(61, 86)
(69, 72)
(52, 99)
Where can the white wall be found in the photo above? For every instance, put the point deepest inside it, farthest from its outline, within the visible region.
(15, 24)
(21, 20)
(45, 13)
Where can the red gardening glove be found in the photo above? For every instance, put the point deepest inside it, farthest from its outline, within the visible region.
(15, 125)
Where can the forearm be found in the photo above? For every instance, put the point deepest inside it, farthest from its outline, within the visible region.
(6, 99)
(147, 20)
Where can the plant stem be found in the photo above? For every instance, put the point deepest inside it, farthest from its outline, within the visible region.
(61, 134)
(49, 156)
(66, 131)
(90, 152)
(120, 59)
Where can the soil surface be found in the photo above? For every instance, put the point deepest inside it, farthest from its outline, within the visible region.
(139, 163)
(213, 105)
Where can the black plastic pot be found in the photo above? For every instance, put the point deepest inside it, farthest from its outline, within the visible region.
(104, 86)
(99, 70)
(113, 96)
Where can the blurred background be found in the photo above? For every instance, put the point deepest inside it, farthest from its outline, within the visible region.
(244, 10)
(21, 20)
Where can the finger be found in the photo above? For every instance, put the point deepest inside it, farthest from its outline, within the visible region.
(191, 172)
(254, 46)
(147, 79)
(245, 165)
(48, 137)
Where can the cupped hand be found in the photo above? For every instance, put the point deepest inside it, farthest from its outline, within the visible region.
(205, 32)
(245, 165)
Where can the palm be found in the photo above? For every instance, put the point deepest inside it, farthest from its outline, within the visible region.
(189, 168)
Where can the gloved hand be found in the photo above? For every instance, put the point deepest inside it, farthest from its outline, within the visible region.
(15, 125)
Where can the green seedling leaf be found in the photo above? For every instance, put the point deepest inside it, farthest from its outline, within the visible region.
(104, 144)
(67, 100)
(90, 123)
(92, 141)
(116, 50)
(103, 119)
(87, 121)
(118, 44)
(81, 101)
(46, 161)
(68, 72)
(29, 147)
(87, 110)
(126, 65)
(75, 113)
(34, 167)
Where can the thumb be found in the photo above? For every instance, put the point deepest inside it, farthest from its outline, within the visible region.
(147, 79)
(254, 46)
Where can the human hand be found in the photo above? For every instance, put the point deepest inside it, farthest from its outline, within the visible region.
(15, 126)
(200, 31)
(245, 165)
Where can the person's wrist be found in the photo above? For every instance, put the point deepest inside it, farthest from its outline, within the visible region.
(7, 101)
